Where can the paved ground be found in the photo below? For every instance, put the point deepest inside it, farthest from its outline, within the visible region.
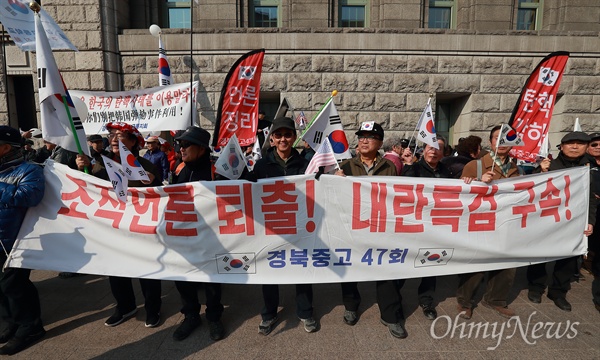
(74, 311)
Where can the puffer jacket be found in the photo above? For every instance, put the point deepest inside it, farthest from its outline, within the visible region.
(21, 187)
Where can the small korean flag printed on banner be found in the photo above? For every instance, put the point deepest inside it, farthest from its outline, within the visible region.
(547, 76)
(433, 257)
(238, 263)
(247, 72)
(367, 125)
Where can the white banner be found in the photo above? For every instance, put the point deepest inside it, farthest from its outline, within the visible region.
(17, 18)
(300, 230)
(161, 108)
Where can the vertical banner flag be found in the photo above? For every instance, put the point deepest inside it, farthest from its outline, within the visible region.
(131, 166)
(324, 156)
(117, 178)
(426, 127)
(577, 126)
(15, 15)
(61, 124)
(533, 111)
(231, 162)
(164, 71)
(328, 125)
(509, 137)
(238, 106)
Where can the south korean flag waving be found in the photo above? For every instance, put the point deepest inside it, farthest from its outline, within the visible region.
(509, 137)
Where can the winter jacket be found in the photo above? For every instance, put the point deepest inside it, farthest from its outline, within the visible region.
(422, 169)
(159, 159)
(269, 167)
(355, 167)
(21, 187)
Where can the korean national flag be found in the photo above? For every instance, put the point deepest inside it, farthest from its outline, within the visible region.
(247, 72)
(433, 257)
(117, 178)
(239, 263)
(547, 76)
(132, 167)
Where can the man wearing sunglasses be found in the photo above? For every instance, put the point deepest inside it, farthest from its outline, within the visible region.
(594, 240)
(573, 147)
(369, 162)
(195, 153)
(282, 160)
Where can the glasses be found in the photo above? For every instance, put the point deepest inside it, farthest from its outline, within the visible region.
(369, 138)
(287, 135)
(121, 136)
(594, 144)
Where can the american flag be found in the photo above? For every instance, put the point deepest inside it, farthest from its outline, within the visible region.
(301, 120)
(324, 156)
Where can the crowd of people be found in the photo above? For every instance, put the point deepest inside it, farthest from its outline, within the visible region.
(189, 160)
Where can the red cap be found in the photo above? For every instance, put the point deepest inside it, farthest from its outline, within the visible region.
(124, 127)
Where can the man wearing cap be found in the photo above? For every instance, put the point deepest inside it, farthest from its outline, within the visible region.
(21, 187)
(195, 154)
(572, 153)
(122, 287)
(281, 160)
(96, 144)
(157, 157)
(593, 256)
(369, 162)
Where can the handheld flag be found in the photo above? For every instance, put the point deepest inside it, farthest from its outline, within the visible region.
(164, 71)
(15, 15)
(237, 112)
(301, 120)
(532, 112)
(131, 166)
(231, 162)
(117, 177)
(254, 157)
(545, 148)
(327, 124)
(426, 128)
(61, 124)
(324, 156)
(509, 137)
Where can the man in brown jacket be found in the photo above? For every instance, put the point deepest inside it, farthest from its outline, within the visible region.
(493, 166)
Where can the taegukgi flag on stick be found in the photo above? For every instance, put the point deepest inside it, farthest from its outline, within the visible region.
(61, 124)
(117, 177)
(509, 137)
(426, 127)
(324, 156)
(328, 125)
(231, 162)
(164, 70)
(131, 166)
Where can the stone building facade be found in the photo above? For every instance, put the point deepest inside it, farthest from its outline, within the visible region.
(384, 71)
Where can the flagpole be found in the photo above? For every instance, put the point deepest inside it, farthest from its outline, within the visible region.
(36, 9)
(419, 122)
(333, 93)
(192, 98)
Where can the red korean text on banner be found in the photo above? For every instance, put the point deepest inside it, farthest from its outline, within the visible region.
(532, 113)
(238, 105)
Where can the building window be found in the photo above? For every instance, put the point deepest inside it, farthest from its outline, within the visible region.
(264, 13)
(442, 14)
(353, 13)
(178, 12)
(529, 14)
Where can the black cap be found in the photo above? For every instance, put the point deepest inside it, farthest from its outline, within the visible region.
(576, 136)
(372, 127)
(283, 122)
(94, 138)
(594, 136)
(404, 143)
(195, 135)
(9, 135)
